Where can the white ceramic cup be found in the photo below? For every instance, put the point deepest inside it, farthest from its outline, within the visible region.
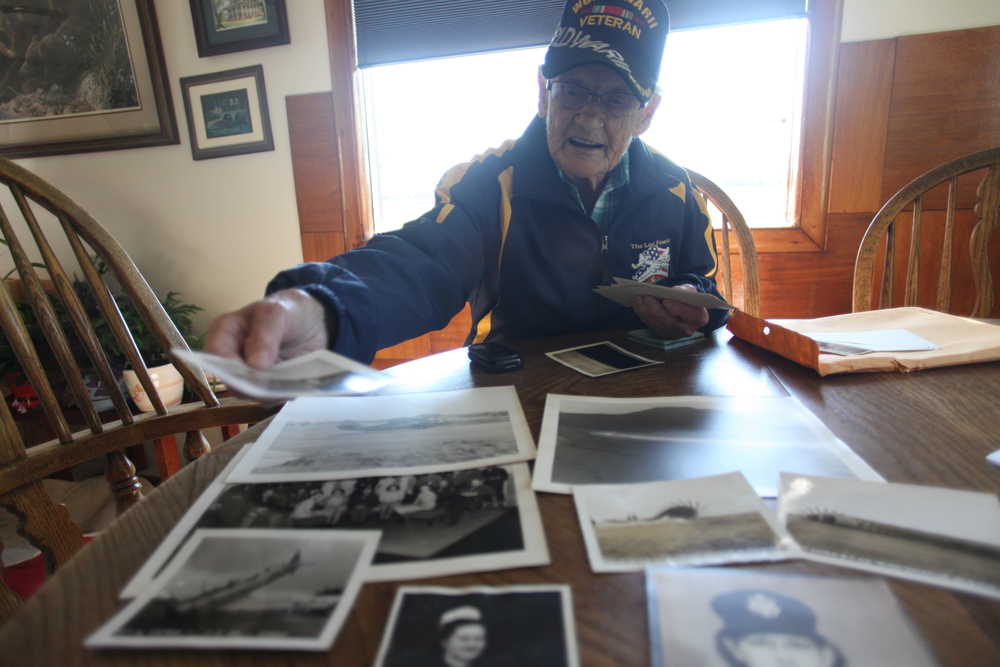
(167, 380)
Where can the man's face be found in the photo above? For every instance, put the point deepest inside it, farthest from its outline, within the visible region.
(774, 649)
(588, 143)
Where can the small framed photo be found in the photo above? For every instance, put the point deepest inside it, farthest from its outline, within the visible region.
(227, 113)
(225, 26)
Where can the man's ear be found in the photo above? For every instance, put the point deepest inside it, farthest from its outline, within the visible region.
(543, 95)
(648, 111)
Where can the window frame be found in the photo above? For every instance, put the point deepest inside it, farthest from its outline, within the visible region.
(809, 232)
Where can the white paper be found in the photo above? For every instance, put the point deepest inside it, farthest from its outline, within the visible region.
(598, 440)
(345, 437)
(319, 373)
(623, 291)
(248, 589)
(701, 521)
(904, 530)
(864, 342)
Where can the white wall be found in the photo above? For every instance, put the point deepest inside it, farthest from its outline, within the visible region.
(215, 230)
(882, 19)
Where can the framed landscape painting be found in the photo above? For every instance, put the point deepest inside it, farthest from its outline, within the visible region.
(82, 76)
(225, 26)
(227, 113)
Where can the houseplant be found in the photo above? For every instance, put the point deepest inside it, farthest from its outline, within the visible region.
(180, 312)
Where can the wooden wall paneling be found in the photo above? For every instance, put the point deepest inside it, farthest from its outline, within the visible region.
(945, 104)
(816, 138)
(825, 17)
(316, 170)
(864, 90)
(346, 83)
(448, 338)
(315, 162)
(321, 246)
(813, 284)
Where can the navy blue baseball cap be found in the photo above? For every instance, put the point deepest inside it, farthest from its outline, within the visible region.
(626, 35)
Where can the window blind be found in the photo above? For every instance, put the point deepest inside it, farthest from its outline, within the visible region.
(390, 31)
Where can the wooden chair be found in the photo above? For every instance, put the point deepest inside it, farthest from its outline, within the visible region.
(22, 468)
(731, 217)
(880, 238)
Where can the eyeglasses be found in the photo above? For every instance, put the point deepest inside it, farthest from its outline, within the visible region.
(575, 97)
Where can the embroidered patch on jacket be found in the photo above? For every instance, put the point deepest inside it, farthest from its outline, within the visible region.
(653, 263)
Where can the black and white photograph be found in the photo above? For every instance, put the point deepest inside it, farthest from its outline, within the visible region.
(714, 617)
(248, 589)
(945, 537)
(436, 524)
(319, 373)
(597, 440)
(346, 437)
(599, 359)
(701, 521)
(480, 627)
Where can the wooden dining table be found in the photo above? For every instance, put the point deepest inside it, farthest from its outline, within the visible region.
(931, 427)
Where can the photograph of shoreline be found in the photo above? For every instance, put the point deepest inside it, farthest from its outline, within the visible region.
(665, 538)
(594, 440)
(346, 437)
(946, 537)
(702, 521)
(841, 536)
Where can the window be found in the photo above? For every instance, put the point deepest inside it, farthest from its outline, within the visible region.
(719, 116)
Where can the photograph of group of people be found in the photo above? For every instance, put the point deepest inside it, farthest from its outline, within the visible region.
(370, 501)
(430, 524)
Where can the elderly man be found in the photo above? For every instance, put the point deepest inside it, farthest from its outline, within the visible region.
(523, 232)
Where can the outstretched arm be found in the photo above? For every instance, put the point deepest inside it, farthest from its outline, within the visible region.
(286, 324)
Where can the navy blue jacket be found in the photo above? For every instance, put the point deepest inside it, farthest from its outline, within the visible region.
(507, 235)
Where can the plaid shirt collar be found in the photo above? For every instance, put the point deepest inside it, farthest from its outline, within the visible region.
(611, 195)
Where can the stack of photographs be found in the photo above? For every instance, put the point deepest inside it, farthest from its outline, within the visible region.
(741, 618)
(513, 625)
(468, 520)
(944, 537)
(704, 521)
(439, 482)
(319, 373)
(596, 440)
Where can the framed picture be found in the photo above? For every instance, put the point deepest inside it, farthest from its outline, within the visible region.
(224, 26)
(83, 76)
(227, 113)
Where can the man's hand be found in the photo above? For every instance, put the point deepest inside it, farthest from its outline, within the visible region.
(668, 318)
(286, 324)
